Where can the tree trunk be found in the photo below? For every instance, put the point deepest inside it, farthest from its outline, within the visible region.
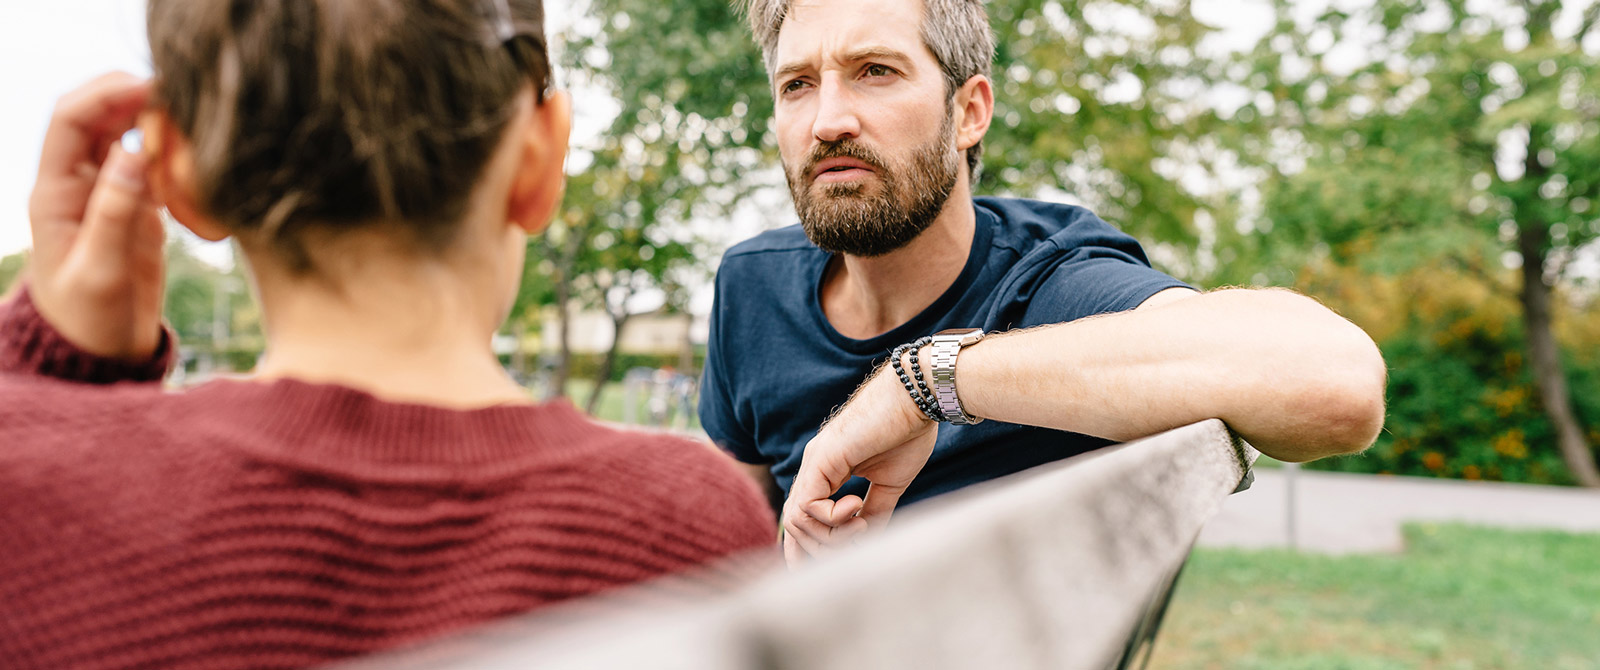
(567, 260)
(558, 376)
(618, 320)
(519, 358)
(1533, 241)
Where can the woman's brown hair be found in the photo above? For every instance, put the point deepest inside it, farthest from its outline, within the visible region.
(334, 114)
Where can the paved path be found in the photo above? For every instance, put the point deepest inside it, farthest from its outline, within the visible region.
(1346, 513)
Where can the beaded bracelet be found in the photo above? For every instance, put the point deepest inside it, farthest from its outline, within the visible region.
(919, 392)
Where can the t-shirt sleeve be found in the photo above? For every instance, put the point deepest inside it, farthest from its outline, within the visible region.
(717, 408)
(1098, 271)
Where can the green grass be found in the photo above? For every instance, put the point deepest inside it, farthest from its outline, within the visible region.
(1459, 597)
(611, 402)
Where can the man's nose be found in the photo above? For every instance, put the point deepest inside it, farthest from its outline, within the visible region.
(836, 112)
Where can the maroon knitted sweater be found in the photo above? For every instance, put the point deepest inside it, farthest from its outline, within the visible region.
(287, 524)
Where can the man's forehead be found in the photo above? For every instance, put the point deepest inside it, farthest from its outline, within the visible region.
(833, 28)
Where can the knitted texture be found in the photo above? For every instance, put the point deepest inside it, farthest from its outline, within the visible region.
(28, 343)
(287, 524)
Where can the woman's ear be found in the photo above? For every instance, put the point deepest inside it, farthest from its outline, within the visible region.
(172, 175)
(541, 177)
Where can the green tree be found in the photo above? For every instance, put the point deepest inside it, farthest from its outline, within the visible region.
(1470, 139)
(608, 247)
(210, 308)
(1109, 104)
(678, 150)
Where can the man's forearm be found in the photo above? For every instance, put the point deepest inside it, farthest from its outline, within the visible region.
(1296, 380)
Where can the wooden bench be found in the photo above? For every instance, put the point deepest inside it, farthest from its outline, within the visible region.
(1068, 565)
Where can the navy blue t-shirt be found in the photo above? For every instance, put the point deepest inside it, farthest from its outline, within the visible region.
(776, 368)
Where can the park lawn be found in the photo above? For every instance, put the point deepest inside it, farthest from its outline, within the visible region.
(1458, 597)
(611, 402)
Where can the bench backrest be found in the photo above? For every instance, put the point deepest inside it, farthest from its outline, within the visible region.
(1064, 566)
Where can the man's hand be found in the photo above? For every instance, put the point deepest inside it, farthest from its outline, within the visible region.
(97, 271)
(879, 435)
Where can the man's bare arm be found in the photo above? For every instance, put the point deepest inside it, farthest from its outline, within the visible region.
(1290, 376)
(1296, 380)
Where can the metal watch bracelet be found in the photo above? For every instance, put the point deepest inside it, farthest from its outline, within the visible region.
(946, 348)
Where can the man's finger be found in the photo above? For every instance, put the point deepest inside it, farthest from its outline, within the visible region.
(849, 532)
(834, 513)
(808, 533)
(117, 207)
(792, 553)
(817, 480)
(880, 503)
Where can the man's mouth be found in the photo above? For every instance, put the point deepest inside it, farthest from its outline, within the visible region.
(840, 170)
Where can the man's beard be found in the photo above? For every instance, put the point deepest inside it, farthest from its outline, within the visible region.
(860, 219)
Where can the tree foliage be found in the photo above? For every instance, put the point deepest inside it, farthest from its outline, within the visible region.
(677, 150)
(1108, 103)
(1462, 396)
(607, 250)
(1465, 137)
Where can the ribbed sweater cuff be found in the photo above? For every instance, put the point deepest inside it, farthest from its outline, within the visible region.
(30, 345)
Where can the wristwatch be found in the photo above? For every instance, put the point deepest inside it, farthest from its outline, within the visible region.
(947, 345)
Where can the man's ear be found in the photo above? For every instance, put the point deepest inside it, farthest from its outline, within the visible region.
(974, 106)
(172, 175)
(541, 177)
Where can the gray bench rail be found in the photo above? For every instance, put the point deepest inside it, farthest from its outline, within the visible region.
(1068, 565)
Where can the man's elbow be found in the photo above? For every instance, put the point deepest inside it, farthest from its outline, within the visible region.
(1346, 406)
(1355, 419)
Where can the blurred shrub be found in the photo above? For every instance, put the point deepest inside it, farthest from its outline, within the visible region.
(11, 269)
(1461, 399)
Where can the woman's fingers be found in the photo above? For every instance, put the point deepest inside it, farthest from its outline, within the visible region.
(85, 125)
(88, 120)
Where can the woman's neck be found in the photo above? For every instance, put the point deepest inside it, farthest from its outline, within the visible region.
(419, 333)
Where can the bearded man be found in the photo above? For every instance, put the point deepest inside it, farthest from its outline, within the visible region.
(881, 109)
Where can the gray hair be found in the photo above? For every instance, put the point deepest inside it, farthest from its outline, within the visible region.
(956, 31)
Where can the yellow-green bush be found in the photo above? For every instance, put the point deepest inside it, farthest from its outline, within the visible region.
(1461, 398)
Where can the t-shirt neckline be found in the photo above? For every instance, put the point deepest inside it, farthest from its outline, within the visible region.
(984, 222)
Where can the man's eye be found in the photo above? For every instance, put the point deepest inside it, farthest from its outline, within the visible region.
(876, 70)
(793, 85)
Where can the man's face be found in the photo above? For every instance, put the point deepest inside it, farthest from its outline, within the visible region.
(864, 124)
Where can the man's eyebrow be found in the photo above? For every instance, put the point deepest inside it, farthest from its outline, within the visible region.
(865, 53)
(872, 53)
(791, 68)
